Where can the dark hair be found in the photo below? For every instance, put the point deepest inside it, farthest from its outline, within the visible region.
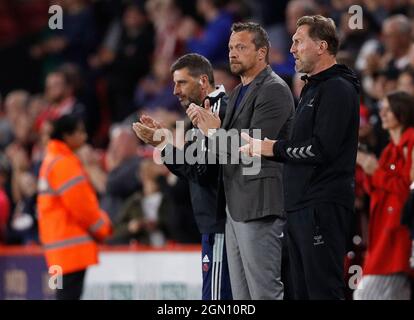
(4, 165)
(321, 28)
(68, 79)
(226, 69)
(72, 75)
(62, 74)
(402, 106)
(196, 64)
(220, 3)
(66, 124)
(138, 5)
(390, 73)
(260, 36)
(409, 71)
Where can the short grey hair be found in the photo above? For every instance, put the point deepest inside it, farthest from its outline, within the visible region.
(402, 22)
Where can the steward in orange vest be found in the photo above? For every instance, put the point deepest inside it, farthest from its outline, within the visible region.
(70, 221)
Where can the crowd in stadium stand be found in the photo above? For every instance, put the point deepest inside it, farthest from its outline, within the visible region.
(111, 63)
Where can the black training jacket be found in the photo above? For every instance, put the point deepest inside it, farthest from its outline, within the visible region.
(202, 178)
(320, 156)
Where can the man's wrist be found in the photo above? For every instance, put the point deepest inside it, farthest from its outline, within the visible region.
(268, 146)
(272, 146)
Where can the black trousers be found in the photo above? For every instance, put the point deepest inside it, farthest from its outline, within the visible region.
(316, 244)
(72, 286)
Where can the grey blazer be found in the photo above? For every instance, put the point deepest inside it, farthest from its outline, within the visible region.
(267, 105)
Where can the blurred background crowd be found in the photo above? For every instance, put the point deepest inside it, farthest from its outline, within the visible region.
(110, 63)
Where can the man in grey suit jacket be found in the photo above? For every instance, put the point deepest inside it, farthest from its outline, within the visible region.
(255, 214)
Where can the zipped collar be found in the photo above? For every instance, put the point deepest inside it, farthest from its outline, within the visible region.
(337, 70)
(219, 90)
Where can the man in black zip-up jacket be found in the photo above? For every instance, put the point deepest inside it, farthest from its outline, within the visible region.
(319, 162)
(194, 83)
(320, 156)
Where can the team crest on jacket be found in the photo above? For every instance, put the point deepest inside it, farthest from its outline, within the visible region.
(318, 240)
(206, 262)
(310, 104)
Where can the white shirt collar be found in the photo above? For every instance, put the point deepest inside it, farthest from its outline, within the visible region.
(219, 89)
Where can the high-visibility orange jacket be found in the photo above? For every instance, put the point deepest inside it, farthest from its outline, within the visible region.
(70, 221)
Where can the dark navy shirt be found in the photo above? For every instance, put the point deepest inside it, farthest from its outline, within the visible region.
(241, 95)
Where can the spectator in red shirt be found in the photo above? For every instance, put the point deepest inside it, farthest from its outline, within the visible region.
(4, 200)
(60, 93)
(387, 181)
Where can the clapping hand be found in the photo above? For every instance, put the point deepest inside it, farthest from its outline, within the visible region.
(256, 147)
(147, 129)
(203, 118)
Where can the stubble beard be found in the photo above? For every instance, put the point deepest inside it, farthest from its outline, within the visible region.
(303, 67)
(237, 69)
(186, 104)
